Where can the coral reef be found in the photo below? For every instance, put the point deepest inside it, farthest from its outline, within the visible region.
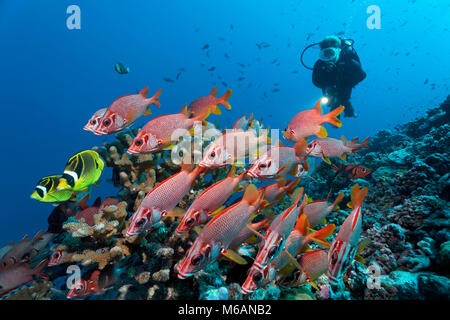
(405, 216)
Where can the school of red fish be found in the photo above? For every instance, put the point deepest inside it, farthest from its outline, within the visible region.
(285, 238)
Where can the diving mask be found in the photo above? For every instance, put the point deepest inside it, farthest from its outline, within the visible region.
(329, 54)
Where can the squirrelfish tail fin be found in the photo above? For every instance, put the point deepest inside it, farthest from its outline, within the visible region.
(155, 98)
(332, 116)
(224, 99)
(38, 269)
(291, 186)
(358, 195)
(338, 199)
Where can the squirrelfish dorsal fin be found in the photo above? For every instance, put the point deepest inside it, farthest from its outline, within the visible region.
(184, 110)
(302, 224)
(214, 92)
(251, 194)
(318, 106)
(297, 195)
(144, 92)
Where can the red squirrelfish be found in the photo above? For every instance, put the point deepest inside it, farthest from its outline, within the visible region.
(233, 146)
(88, 215)
(162, 199)
(354, 171)
(331, 147)
(274, 240)
(209, 201)
(109, 202)
(159, 132)
(314, 264)
(200, 105)
(56, 258)
(309, 122)
(246, 233)
(316, 211)
(276, 191)
(295, 244)
(218, 234)
(14, 276)
(17, 252)
(85, 287)
(93, 122)
(44, 240)
(345, 245)
(124, 111)
(279, 161)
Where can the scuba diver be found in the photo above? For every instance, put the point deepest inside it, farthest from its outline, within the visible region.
(337, 71)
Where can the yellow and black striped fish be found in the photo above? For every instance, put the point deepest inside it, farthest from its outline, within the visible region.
(46, 190)
(82, 170)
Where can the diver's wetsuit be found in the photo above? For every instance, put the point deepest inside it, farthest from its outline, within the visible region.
(339, 77)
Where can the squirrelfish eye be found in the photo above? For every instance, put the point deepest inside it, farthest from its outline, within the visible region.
(93, 122)
(138, 142)
(262, 165)
(107, 122)
(190, 221)
(363, 170)
(212, 154)
(197, 259)
(78, 290)
(334, 257)
(140, 222)
(257, 277)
